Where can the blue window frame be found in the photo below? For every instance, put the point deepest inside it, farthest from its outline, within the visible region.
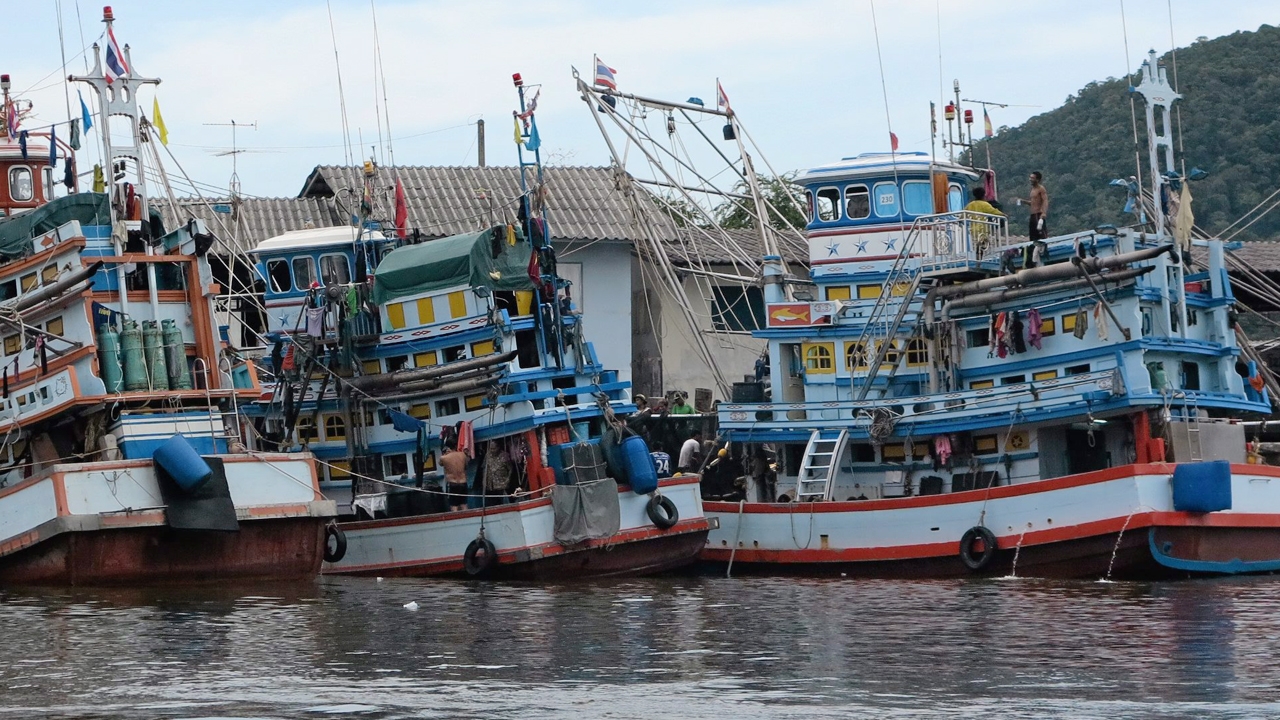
(884, 196)
(917, 197)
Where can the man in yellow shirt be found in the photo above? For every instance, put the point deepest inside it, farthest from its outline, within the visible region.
(980, 228)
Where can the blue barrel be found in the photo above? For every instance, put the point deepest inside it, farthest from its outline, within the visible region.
(641, 473)
(183, 463)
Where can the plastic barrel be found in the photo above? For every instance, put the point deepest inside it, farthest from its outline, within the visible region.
(639, 464)
(183, 463)
(109, 347)
(175, 356)
(135, 368)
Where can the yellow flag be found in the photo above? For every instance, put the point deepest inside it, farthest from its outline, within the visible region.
(157, 121)
(519, 139)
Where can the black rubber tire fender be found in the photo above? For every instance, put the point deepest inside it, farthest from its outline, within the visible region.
(967, 542)
(335, 544)
(479, 557)
(662, 512)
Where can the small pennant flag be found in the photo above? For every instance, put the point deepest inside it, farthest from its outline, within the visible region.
(11, 117)
(604, 75)
(986, 124)
(85, 117)
(157, 121)
(402, 212)
(893, 141)
(515, 120)
(933, 119)
(722, 100)
(116, 67)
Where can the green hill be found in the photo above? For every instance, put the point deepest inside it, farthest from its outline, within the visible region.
(1230, 127)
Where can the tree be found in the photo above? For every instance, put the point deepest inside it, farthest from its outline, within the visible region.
(782, 196)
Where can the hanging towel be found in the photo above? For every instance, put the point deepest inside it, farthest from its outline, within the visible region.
(1002, 344)
(288, 363)
(1082, 323)
(991, 337)
(1033, 328)
(466, 439)
(942, 448)
(353, 301)
(1100, 320)
(1017, 340)
(315, 322)
(511, 235)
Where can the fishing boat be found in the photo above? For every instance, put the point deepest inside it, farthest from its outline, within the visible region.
(945, 399)
(117, 406)
(387, 349)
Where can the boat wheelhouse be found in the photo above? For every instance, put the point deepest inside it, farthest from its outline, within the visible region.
(954, 399)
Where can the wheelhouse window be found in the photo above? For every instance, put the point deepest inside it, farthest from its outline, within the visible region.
(304, 272)
(886, 199)
(829, 204)
(955, 198)
(857, 202)
(818, 358)
(917, 197)
(278, 273)
(21, 186)
(335, 270)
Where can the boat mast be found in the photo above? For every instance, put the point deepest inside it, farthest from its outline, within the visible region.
(1155, 89)
(118, 98)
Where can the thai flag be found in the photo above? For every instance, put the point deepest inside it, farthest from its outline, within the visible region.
(116, 65)
(722, 100)
(604, 75)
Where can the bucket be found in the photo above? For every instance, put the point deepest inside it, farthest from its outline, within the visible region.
(183, 463)
(640, 468)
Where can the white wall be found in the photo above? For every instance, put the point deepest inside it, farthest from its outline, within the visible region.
(604, 296)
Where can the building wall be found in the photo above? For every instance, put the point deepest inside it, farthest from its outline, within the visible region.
(601, 273)
(683, 367)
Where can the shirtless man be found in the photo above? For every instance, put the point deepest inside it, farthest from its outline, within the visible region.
(455, 477)
(1039, 202)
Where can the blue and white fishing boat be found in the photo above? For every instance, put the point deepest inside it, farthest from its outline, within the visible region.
(388, 348)
(947, 399)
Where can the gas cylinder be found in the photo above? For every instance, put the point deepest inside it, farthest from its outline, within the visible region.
(158, 375)
(175, 356)
(109, 358)
(135, 367)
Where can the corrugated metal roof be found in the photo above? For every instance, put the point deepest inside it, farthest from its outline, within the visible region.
(248, 221)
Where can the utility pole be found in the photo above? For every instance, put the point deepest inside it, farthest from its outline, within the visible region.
(480, 140)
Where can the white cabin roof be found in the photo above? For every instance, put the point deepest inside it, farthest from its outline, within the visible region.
(37, 150)
(881, 164)
(316, 237)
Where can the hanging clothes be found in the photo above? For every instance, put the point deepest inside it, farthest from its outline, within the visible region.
(1001, 335)
(511, 235)
(1100, 320)
(315, 322)
(289, 363)
(99, 180)
(1017, 340)
(1033, 328)
(942, 448)
(1082, 323)
(991, 336)
(466, 438)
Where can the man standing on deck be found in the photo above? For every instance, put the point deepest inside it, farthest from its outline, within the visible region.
(1039, 202)
(691, 453)
(455, 476)
(980, 229)
(681, 407)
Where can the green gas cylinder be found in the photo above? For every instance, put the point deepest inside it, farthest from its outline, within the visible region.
(175, 355)
(152, 348)
(135, 367)
(109, 358)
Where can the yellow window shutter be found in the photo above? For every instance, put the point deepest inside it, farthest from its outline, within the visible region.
(457, 304)
(426, 311)
(395, 315)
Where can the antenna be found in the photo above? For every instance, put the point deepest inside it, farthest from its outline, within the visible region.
(234, 186)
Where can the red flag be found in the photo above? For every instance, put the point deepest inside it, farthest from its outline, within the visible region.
(402, 212)
(893, 141)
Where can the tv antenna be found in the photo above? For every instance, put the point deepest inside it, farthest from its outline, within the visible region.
(234, 185)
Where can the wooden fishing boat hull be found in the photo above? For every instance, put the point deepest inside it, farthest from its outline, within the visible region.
(1117, 523)
(523, 537)
(105, 523)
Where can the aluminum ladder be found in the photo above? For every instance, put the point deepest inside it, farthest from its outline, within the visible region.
(820, 463)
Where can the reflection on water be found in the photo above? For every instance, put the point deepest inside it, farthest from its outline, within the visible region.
(678, 647)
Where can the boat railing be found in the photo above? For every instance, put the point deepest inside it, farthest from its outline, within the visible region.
(946, 240)
(1086, 389)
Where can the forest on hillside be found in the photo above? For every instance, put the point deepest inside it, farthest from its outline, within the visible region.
(1230, 127)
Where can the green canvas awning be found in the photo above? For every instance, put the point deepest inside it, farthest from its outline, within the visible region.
(448, 262)
(16, 232)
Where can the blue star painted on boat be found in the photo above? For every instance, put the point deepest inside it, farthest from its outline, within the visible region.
(889, 244)
(862, 245)
(833, 249)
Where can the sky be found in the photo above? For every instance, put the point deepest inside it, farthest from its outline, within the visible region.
(809, 79)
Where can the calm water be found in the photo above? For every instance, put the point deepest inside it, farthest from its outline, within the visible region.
(676, 647)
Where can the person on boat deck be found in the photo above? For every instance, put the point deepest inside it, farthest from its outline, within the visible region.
(680, 407)
(980, 231)
(1039, 202)
(455, 476)
(691, 453)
